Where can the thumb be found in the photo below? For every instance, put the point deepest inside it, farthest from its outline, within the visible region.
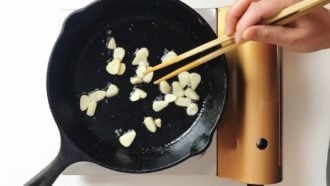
(269, 34)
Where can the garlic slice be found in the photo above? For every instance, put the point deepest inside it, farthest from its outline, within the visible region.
(164, 87)
(113, 90)
(150, 124)
(91, 108)
(119, 53)
(114, 66)
(183, 102)
(142, 52)
(140, 71)
(144, 63)
(127, 139)
(140, 55)
(158, 122)
(190, 93)
(122, 69)
(135, 96)
(97, 95)
(84, 102)
(138, 94)
(112, 44)
(169, 98)
(168, 55)
(147, 78)
(177, 89)
(141, 93)
(195, 80)
(135, 80)
(184, 79)
(192, 109)
(157, 106)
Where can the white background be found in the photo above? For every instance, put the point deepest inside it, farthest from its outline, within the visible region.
(29, 138)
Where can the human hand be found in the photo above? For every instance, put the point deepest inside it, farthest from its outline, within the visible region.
(306, 34)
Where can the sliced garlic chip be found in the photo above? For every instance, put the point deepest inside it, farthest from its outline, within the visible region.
(158, 122)
(141, 93)
(84, 102)
(113, 90)
(114, 66)
(169, 98)
(98, 95)
(119, 53)
(195, 80)
(164, 87)
(159, 105)
(183, 102)
(177, 89)
(137, 60)
(140, 55)
(122, 69)
(167, 56)
(91, 108)
(190, 93)
(135, 96)
(192, 109)
(112, 44)
(144, 63)
(144, 52)
(184, 79)
(138, 94)
(150, 124)
(140, 71)
(127, 139)
(135, 80)
(147, 78)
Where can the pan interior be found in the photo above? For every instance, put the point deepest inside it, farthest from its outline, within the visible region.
(117, 115)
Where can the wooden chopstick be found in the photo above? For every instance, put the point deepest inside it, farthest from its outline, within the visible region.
(199, 61)
(190, 53)
(282, 18)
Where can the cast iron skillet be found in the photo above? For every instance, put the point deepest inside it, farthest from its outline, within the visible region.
(77, 65)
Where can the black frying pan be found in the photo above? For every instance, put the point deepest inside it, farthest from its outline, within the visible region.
(77, 65)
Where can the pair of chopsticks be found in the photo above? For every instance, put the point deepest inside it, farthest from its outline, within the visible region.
(282, 18)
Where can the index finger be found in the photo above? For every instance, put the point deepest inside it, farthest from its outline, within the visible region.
(234, 15)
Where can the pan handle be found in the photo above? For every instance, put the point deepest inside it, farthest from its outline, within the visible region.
(67, 155)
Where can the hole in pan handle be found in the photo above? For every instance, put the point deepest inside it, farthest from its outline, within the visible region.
(200, 144)
(67, 155)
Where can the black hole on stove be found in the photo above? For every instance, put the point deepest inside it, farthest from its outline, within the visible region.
(262, 144)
